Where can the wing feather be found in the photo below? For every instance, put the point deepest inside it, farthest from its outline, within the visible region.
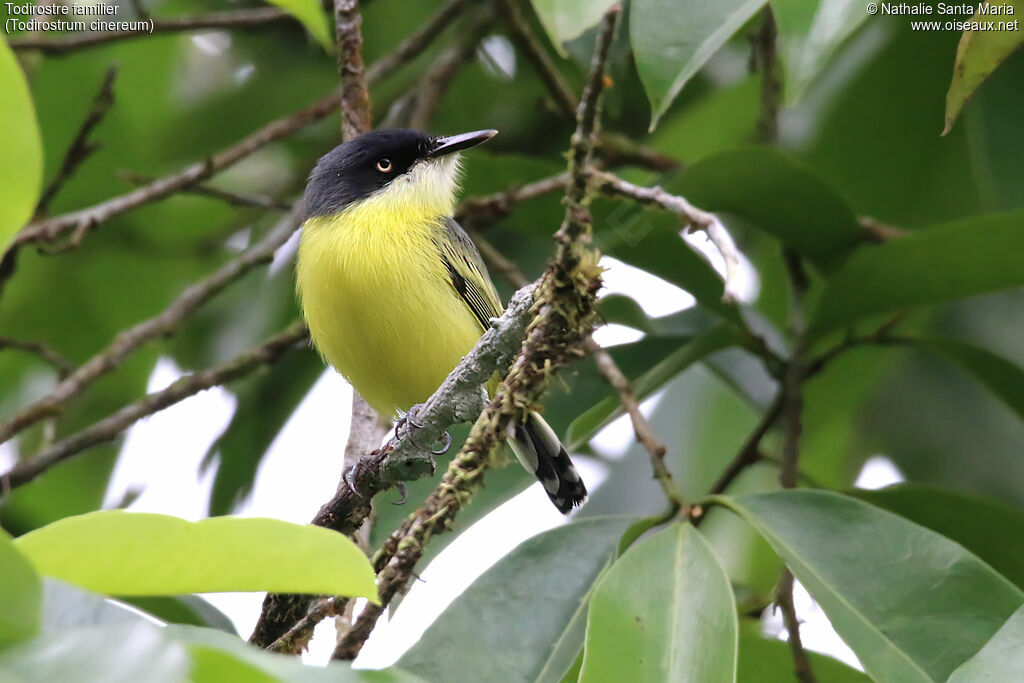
(467, 271)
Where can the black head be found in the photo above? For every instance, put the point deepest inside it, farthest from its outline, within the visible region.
(356, 169)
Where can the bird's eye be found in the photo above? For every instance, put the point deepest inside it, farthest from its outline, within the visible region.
(384, 165)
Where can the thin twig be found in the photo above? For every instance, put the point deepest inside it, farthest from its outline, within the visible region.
(80, 148)
(110, 427)
(527, 41)
(479, 212)
(58, 361)
(255, 201)
(297, 638)
(784, 600)
(163, 324)
(232, 20)
(355, 93)
(416, 43)
(750, 451)
(766, 58)
(439, 77)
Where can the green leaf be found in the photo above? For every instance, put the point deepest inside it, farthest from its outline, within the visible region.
(951, 261)
(779, 195)
(988, 528)
(108, 653)
(216, 652)
(997, 374)
(525, 614)
(663, 612)
(183, 609)
(978, 55)
(912, 604)
(764, 660)
(311, 14)
(21, 594)
(590, 422)
(124, 553)
(809, 33)
(1001, 659)
(21, 148)
(673, 39)
(566, 20)
(66, 606)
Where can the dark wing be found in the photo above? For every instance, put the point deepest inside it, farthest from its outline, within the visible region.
(467, 272)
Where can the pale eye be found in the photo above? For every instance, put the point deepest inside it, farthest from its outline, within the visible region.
(384, 165)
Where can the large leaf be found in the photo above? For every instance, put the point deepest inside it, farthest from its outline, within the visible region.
(779, 195)
(124, 553)
(1002, 658)
(183, 609)
(809, 32)
(565, 20)
(764, 660)
(312, 16)
(524, 615)
(673, 39)
(988, 528)
(21, 148)
(980, 52)
(595, 418)
(938, 264)
(109, 653)
(663, 612)
(997, 374)
(21, 594)
(912, 604)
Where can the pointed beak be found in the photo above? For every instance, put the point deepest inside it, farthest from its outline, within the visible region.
(455, 143)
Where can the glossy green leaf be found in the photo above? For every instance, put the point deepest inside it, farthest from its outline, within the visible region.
(1001, 659)
(565, 20)
(590, 422)
(980, 52)
(218, 655)
(988, 528)
(109, 653)
(21, 594)
(779, 195)
(663, 612)
(810, 31)
(997, 374)
(21, 148)
(124, 553)
(673, 39)
(525, 614)
(952, 261)
(912, 604)
(764, 660)
(312, 16)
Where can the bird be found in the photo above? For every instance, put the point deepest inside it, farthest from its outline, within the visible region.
(394, 291)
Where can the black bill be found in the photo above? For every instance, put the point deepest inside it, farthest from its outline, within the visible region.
(455, 143)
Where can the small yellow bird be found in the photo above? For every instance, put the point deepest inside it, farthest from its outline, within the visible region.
(393, 289)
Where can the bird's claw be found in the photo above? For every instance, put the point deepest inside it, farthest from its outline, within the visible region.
(446, 443)
(404, 491)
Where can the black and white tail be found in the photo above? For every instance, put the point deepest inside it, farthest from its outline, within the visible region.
(541, 453)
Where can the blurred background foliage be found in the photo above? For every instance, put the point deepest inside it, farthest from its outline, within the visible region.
(861, 122)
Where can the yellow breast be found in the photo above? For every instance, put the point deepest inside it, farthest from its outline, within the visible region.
(379, 304)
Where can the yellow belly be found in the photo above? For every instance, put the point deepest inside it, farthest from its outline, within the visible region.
(380, 306)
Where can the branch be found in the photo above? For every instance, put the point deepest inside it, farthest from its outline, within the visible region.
(439, 77)
(58, 361)
(110, 427)
(416, 42)
(690, 215)
(564, 309)
(237, 19)
(766, 58)
(479, 212)
(163, 324)
(254, 201)
(355, 94)
(458, 399)
(784, 600)
(80, 148)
